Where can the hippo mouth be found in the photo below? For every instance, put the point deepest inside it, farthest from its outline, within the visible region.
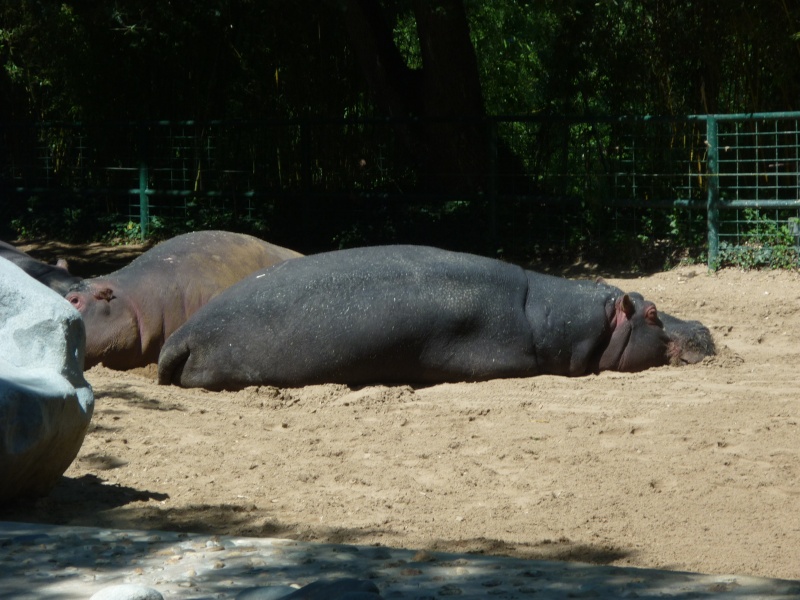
(682, 353)
(689, 342)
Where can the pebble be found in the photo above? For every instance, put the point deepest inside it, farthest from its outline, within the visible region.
(80, 563)
(127, 592)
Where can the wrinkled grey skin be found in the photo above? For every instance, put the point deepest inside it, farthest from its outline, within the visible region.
(56, 277)
(131, 312)
(412, 314)
(692, 337)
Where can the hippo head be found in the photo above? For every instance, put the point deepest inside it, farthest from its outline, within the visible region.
(688, 342)
(638, 340)
(641, 340)
(112, 329)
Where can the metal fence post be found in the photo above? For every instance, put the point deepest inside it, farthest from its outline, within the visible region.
(712, 207)
(144, 202)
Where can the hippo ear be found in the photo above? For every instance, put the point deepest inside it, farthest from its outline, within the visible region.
(625, 305)
(62, 263)
(103, 294)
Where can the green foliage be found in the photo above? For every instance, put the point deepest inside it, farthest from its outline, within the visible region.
(512, 41)
(42, 216)
(131, 59)
(636, 57)
(120, 60)
(122, 234)
(766, 244)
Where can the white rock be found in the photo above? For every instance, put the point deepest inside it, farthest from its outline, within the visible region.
(127, 591)
(45, 402)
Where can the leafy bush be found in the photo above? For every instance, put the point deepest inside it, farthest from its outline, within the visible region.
(767, 244)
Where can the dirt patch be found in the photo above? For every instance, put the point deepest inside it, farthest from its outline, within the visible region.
(84, 260)
(694, 468)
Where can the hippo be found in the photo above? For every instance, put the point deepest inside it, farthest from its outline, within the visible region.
(131, 312)
(57, 277)
(414, 315)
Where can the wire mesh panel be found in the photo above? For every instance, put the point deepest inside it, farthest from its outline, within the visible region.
(518, 184)
(759, 160)
(611, 182)
(759, 174)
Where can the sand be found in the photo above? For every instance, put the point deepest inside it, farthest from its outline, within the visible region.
(694, 468)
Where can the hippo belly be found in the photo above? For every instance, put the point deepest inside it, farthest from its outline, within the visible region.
(386, 314)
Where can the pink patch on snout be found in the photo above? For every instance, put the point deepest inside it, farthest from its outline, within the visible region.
(675, 355)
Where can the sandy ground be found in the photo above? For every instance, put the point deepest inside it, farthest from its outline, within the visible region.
(694, 468)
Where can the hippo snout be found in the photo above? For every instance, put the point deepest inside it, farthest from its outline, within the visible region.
(690, 341)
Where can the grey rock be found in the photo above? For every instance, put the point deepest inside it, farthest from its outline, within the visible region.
(338, 589)
(127, 591)
(45, 402)
(271, 592)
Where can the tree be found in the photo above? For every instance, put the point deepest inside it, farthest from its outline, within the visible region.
(209, 59)
(444, 92)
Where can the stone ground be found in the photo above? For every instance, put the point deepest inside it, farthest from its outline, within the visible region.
(43, 561)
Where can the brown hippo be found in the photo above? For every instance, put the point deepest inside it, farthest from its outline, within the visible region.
(56, 277)
(131, 312)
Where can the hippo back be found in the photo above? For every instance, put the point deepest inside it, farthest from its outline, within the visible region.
(190, 269)
(55, 277)
(381, 314)
(132, 311)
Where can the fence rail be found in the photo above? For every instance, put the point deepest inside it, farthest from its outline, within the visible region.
(539, 172)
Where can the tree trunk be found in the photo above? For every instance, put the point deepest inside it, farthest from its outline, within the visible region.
(451, 142)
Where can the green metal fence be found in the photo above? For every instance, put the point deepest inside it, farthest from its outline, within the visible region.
(754, 165)
(740, 172)
(735, 177)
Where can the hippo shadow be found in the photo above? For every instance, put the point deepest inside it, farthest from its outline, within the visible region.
(551, 550)
(246, 521)
(131, 397)
(90, 501)
(76, 501)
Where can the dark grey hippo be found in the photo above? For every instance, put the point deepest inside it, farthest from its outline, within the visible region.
(131, 312)
(412, 314)
(56, 277)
